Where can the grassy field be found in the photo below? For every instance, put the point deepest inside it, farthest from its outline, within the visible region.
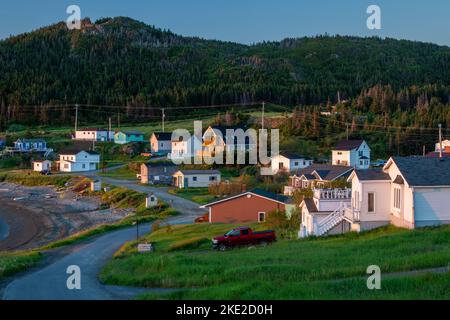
(33, 179)
(329, 268)
(198, 195)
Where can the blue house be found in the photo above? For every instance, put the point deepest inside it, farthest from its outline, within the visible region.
(123, 137)
(30, 145)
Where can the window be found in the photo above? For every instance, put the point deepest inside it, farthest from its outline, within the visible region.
(360, 153)
(280, 165)
(212, 178)
(397, 198)
(194, 178)
(244, 232)
(66, 166)
(261, 216)
(371, 202)
(356, 200)
(360, 162)
(296, 164)
(339, 153)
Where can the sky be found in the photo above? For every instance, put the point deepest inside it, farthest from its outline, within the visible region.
(246, 21)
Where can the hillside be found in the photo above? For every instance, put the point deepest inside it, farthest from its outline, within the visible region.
(120, 61)
(322, 268)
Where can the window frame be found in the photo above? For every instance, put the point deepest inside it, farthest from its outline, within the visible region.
(373, 202)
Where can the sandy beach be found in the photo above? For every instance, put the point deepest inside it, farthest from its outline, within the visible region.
(34, 216)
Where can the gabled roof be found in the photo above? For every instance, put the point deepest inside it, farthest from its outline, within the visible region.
(372, 175)
(347, 145)
(31, 140)
(310, 205)
(165, 136)
(190, 172)
(422, 171)
(292, 155)
(258, 192)
(325, 172)
(75, 151)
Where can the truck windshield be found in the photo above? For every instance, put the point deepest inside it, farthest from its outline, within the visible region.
(233, 233)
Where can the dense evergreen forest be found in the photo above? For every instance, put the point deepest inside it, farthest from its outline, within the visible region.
(123, 62)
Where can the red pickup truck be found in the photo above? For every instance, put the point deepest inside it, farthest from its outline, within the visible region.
(243, 236)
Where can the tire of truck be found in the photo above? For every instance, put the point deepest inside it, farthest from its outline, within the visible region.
(222, 247)
(263, 243)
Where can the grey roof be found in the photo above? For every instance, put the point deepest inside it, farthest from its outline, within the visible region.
(310, 205)
(165, 136)
(31, 140)
(131, 132)
(189, 172)
(424, 171)
(292, 155)
(346, 145)
(326, 172)
(372, 174)
(271, 195)
(75, 151)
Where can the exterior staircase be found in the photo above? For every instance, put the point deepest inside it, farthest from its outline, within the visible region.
(329, 222)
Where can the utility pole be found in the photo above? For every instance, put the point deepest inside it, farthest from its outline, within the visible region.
(347, 129)
(423, 150)
(440, 141)
(163, 118)
(262, 116)
(76, 118)
(109, 130)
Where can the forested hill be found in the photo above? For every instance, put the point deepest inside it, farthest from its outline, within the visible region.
(120, 61)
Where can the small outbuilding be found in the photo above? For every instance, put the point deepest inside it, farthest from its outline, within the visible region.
(195, 178)
(42, 165)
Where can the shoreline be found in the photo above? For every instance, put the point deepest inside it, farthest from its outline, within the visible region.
(31, 217)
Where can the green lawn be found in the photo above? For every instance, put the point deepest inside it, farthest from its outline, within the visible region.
(198, 195)
(329, 268)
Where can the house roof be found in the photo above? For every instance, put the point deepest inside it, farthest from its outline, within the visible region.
(435, 154)
(223, 131)
(372, 175)
(31, 140)
(158, 164)
(75, 151)
(190, 172)
(257, 192)
(347, 145)
(131, 132)
(326, 172)
(310, 205)
(93, 129)
(165, 136)
(423, 171)
(292, 155)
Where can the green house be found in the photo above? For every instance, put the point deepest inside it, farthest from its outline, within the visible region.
(123, 137)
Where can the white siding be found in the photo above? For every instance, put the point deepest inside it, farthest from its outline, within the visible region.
(431, 206)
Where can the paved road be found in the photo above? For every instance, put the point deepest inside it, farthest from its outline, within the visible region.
(49, 283)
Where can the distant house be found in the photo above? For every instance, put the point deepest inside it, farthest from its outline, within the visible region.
(353, 153)
(182, 150)
(289, 161)
(30, 145)
(94, 134)
(247, 207)
(438, 154)
(157, 172)
(216, 141)
(445, 146)
(161, 143)
(409, 192)
(42, 165)
(78, 160)
(124, 137)
(195, 178)
(2, 143)
(316, 175)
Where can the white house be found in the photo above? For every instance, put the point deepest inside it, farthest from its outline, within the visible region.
(408, 192)
(288, 162)
(195, 178)
(219, 139)
(94, 134)
(445, 146)
(353, 153)
(161, 143)
(77, 160)
(42, 165)
(183, 150)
